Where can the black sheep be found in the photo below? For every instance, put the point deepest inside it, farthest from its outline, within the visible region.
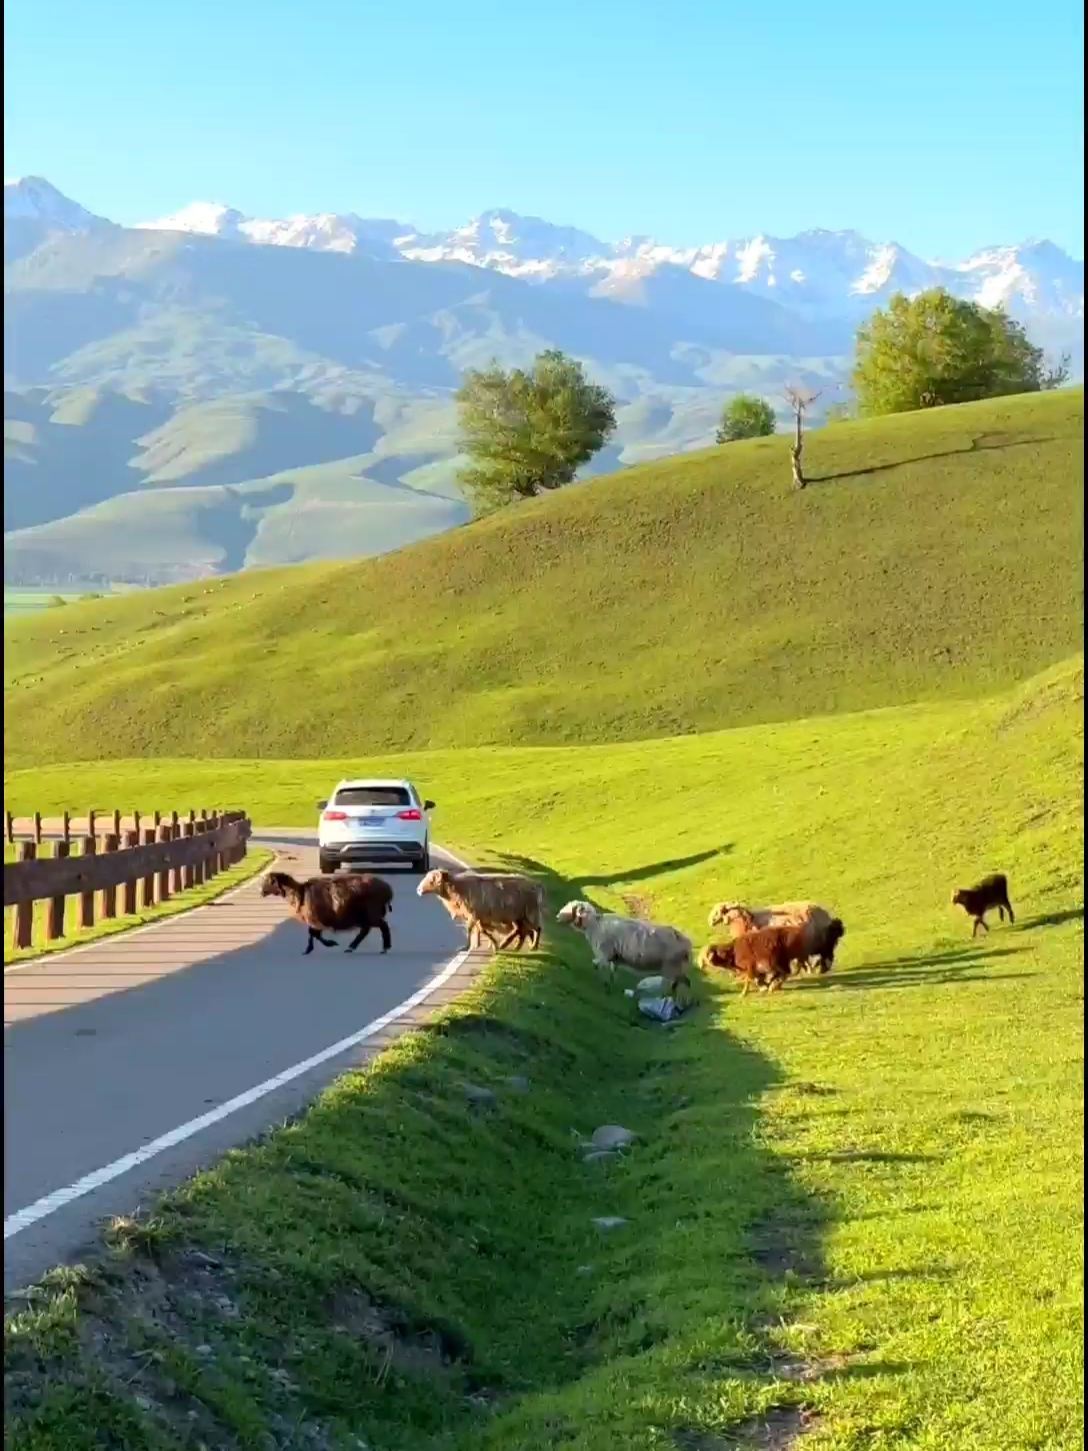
(337, 904)
(991, 892)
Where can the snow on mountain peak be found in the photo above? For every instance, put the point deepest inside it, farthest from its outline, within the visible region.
(818, 273)
(33, 199)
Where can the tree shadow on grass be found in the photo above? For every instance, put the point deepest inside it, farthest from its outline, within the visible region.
(578, 885)
(977, 445)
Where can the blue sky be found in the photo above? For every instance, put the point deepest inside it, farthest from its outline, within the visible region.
(944, 126)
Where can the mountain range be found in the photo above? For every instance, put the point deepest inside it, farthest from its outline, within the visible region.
(209, 391)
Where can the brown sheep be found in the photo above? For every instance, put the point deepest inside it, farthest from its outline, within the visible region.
(763, 956)
(991, 892)
(337, 904)
(490, 903)
(817, 921)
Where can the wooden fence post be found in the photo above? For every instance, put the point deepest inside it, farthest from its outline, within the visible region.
(162, 880)
(86, 899)
(109, 894)
(91, 822)
(147, 884)
(177, 874)
(116, 825)
(188, 831)
(136, 822)
(37, 828)
(66, 828)
(54, 917)
(22, 926)
(9, 827)
(128, 890)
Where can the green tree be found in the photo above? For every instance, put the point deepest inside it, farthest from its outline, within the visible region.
(745, 416)
(527, 432)
(934, 349)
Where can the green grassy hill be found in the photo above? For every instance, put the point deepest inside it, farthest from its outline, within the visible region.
(854, 1216)
(935, 555)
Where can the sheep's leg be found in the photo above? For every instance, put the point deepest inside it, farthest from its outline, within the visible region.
(387, 936)
(1008, 909)
(315, 936)
(518, 932)
(354, 943)
(979, 922)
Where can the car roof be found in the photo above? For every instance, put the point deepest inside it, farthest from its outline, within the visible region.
(370, 781)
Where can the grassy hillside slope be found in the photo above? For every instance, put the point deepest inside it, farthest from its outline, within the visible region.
(933, 555)
(855, 1211)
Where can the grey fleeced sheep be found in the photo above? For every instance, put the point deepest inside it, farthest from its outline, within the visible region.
(335, 904)
(490, 903)
(644, 946)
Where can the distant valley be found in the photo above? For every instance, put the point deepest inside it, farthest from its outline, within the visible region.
(209, 392)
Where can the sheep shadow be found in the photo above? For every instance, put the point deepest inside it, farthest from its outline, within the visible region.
(935, 969)
(1051, 919)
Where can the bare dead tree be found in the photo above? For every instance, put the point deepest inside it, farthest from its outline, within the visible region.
(799, 400)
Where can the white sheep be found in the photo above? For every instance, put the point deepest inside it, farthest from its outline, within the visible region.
(632, 942)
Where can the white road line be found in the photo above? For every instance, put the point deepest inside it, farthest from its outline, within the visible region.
(42, 1208)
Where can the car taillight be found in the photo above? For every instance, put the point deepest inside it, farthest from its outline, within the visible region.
(410, 815)
(335, 816)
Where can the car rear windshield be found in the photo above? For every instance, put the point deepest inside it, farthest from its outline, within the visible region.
(373, 796)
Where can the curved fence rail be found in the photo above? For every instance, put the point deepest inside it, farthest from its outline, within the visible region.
(118, 873)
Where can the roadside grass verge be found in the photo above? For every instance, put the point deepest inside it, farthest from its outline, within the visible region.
(255, 860)
(936, 555)
(855, 1209)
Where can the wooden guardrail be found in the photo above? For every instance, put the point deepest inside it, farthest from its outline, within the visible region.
(148, 864)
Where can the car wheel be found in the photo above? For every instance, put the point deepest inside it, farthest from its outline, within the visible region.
(328, 864)
(423, 863)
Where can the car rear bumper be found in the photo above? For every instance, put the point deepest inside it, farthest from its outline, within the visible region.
(346, 852)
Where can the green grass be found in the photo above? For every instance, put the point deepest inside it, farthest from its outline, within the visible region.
(861, 1198)
(76, 936)
(937, 555)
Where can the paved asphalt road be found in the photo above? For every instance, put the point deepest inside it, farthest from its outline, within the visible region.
(111, 1047)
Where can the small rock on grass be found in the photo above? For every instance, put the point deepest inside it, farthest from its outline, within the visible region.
(612, 1136)
(597, 1156)
(519, 1084)
(610, 1221)
(482, 1096)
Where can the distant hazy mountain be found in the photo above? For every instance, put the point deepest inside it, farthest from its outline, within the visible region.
(210, 390)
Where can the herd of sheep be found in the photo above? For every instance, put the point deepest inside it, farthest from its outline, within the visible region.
(763, 948)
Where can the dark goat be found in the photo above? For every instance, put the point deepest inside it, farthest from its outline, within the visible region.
(337, 904)
(991, 892)
(828, 940)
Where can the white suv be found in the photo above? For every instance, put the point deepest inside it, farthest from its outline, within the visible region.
(374, 821)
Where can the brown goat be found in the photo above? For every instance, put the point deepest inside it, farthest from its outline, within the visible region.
(763, 957)
(337, 904)
(991, 892)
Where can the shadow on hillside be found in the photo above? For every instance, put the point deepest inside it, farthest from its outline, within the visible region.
(1051, 919)
(977, 445)
(932, 970)
(578, 885)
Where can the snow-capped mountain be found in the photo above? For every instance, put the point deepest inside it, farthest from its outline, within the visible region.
(817, 273)
(34, 209)
(325, 232)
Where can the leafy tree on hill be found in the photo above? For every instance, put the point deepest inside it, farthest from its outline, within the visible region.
(527, 432)
(934, 349)
(745, 416)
